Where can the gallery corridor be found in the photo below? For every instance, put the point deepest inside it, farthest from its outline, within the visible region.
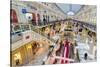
(52, 33)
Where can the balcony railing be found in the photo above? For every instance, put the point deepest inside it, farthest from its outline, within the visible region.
(24, 27)
(17, 29)
(87, 25)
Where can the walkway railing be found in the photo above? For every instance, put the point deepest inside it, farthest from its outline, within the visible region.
(87, 25)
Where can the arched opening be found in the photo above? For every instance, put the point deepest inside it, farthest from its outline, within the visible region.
(13, 15)
(33, 19)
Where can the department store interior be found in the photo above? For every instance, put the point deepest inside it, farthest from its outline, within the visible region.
(45, 33)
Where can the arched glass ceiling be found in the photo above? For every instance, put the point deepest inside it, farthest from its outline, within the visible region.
(70, 9)
(70, 13)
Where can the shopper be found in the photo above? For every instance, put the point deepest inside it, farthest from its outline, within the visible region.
(52, 32)
(44, 20)
(17, 62)
(80, 29)
(44, 60)
(85, 56)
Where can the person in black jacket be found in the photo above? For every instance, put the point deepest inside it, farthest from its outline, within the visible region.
(85, 56)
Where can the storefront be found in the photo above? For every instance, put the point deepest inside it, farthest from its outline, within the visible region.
(28, 52)
(19, 56)
(25, 53)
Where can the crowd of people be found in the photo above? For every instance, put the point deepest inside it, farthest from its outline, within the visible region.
(65, 36)
(64, 46)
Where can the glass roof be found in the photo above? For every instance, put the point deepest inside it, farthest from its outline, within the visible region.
(70, 8)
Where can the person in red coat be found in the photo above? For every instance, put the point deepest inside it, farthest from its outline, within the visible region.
(65, 51)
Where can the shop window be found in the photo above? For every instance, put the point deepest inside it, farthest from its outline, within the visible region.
(13, 15)
(17, 58)
(38, 16)
(33, 19)
(34, 16)
(29, 47)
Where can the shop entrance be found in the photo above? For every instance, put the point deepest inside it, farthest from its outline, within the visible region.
(17, 58)
(33, 19)
(35, 46)
(29, 52)
(38, 18)
(13, 15)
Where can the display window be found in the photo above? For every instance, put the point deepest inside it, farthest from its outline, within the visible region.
(17, 58)
(33, 19)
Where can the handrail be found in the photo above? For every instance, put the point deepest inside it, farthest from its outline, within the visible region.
(57, 21)
(87, 25)
(50, 22)
(35, 30)
(58, 57)
(43, 35)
